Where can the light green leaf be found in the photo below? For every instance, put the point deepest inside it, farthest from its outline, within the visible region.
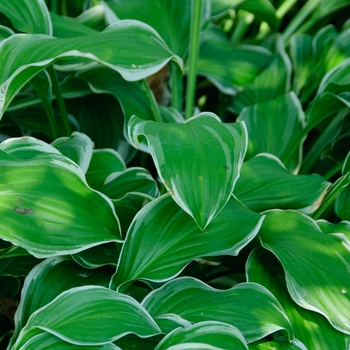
(25, 55)
(103, 163)
(200, 184)
(28, 16)
(73, 314)
(163, 239)
(47, 341)
(264, 128)
(278, 344)
(248, 306)
(341, 229)
(132, 180)
(227, 66)
(5, 32)
(47, 210)
(329, 6)
(213, 333)
(310, 259)
(273, 81)
(49, 279)
(163, 16)
(77, 147)
(266, 184)
(310, 327)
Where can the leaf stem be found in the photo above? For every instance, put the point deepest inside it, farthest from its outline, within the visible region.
(331, 172)
(60, 100)
(152, 101)
(242, 23)
(193, 56)
(285, 7)
(301, 16)
(176, 86)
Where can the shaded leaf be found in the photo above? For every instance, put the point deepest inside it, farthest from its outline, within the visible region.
(163, 239)
(199, 184)
(248, 306)
(309, 259)
(266, 184)
(213, 333)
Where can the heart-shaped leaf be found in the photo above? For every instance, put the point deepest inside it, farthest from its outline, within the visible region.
(198, 161)
(248, 306)
(163, 239)
(316, 264)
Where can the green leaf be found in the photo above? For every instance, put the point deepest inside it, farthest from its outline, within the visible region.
(229, 67)
(132, 180)
(77, 147)
(103, 163)
(163, 16)
(310, 259)
(273, 81)
(49, 279)
(266, 184)
(213, 333)
(89, 315)
(28, 16)
(32, 53)
(310, 327)
(262, 9)
(163, 239)
(47, 341)
(278, 344)
(47, 209)
(264, 128)
(248, 306)
(341, 229)
(199, 184)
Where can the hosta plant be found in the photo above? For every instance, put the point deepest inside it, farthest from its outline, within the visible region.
(174, 174)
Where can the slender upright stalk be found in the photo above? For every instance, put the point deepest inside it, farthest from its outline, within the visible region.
(59, 98)
(243, 21)
(152, 101)
(193, 56)
(301, 16)
(176, 86)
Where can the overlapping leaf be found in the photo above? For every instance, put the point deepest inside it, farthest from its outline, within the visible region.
(310, 259)
(163, 239)
(248, 306)
(198, 161)
(47, 209)
(266, 184)
(134, 49)
(72, 317)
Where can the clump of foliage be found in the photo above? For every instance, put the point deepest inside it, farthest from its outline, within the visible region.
(174, 174)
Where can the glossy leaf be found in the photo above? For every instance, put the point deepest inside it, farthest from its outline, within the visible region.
(278, 344)
(132, 180)
(217, 334)
(163, 239)
(49, 279)
(102, 164)
(273, 81)
(341, 229)
(248, 306)
(47, 341)
(229, 67)
(310, 327)
(28, 16)
(264, 128)
(309, 259)
(52, 200)
(69, 318)
(266, 184)
(163, 16)
(77, 147)
(34, 52)
(199, 184)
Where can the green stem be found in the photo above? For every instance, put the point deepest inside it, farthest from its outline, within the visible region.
(285, 7)
(60, 101)
(152, 101)
(243, 21)
(176, 86)
(334, 170)
(193, 56)
(301, 16)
